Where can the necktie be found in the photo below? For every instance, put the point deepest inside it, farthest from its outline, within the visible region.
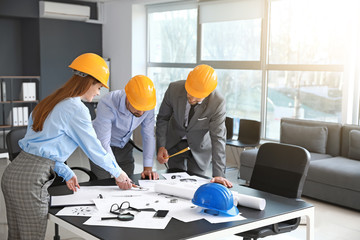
(191, 112)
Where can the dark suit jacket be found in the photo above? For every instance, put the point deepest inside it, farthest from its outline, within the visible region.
(206, 132)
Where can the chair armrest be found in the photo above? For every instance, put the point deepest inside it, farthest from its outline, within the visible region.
(91, 175)
(286, 226)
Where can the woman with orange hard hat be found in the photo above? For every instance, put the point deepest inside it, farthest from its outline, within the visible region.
(58, 125)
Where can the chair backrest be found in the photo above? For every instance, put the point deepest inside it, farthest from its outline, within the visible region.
(12, 139)
(249, 131)
(229, 123)
(91, 108)
(280, 169)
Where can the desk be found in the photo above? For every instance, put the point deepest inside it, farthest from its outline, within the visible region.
(277, 209)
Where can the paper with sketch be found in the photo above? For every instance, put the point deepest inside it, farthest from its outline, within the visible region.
(86, 194)
(79, 211)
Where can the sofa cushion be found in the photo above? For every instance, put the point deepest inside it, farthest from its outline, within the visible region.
(319, 156)
(354, 144)
(314, 139)
(337, 171)
(334, 142)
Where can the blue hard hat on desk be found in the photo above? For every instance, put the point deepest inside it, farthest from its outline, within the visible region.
(215, 198)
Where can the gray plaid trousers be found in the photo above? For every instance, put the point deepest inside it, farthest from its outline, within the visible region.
(24, 185)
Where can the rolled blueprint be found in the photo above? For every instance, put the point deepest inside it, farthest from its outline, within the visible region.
(177, 189)
(249, 201)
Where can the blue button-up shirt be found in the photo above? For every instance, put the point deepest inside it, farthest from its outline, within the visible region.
(68, 126)
(114, 125)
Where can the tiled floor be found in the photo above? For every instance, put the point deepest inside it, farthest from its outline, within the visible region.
(331, 222)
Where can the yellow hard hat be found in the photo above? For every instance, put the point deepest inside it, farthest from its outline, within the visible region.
(93, 65)
(140, 92)
(201, 81)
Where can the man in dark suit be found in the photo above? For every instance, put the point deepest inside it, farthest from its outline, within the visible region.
(192, 114)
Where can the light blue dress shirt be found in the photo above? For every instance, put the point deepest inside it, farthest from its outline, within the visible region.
(68, 126)
(114, 125)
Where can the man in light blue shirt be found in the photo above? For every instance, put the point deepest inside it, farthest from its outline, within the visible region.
(119, 113)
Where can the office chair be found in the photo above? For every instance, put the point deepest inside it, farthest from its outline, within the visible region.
(249, 134)
(91, 106)
(279, 169)
(248, 137)
(12, 139)
(229, 124)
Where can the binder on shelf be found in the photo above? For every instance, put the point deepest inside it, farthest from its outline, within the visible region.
(26, 115)
(15, 119)
(24, 92)
(3, 91)
(20, 116)
(32, 91)
(28, 91)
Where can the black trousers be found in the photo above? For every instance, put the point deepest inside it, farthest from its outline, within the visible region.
(184, 161)
(124, 157)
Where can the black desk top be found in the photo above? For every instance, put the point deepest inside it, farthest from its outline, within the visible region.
(275, 205)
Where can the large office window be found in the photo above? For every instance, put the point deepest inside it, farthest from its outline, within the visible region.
(274, 58)
(306, 55)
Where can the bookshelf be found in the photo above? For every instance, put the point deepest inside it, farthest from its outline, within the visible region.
(18, 97)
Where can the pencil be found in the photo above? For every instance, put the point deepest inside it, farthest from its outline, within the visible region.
(179, 152)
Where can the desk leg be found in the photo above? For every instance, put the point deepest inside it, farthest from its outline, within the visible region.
(310, 224)
(57, 236)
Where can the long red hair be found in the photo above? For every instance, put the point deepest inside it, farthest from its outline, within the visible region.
(76, 86)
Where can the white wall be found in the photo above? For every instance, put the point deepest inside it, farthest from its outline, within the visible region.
(124, 38)
(117, 41)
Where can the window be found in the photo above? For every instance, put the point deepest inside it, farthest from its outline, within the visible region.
(231, 40)
(307, 32)
(172, 36)
(304, 95)
(242, 92)
(162, 76)
(274, 58)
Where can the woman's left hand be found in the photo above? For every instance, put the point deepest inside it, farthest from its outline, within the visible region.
(72, 184)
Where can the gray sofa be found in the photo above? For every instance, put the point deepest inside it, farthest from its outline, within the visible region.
(334, 172)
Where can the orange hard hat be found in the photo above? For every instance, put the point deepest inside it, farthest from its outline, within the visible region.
(201, 81)
(93, 65)
(140, 92)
